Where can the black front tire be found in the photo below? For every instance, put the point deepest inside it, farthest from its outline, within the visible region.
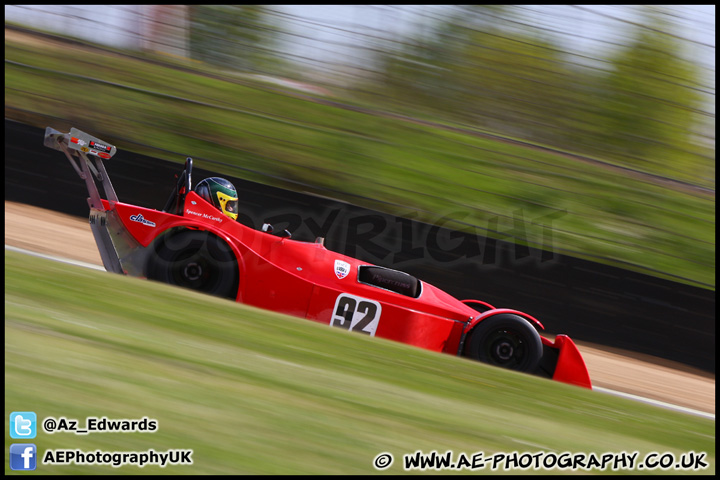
(507, 341)
(197, 260)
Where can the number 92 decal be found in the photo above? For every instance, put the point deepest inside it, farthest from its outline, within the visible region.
(356, 314)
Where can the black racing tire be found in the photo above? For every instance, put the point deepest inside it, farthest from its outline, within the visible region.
(197, 260)
(506, 340)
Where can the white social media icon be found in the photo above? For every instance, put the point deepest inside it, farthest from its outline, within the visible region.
(22, 426)
(26, 456)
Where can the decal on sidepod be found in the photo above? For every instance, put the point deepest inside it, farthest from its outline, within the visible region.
(342, 268)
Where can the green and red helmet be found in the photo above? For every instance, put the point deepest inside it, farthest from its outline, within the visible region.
(221, 194)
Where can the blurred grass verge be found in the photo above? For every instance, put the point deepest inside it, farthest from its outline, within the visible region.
(256, 131)
(253, 392)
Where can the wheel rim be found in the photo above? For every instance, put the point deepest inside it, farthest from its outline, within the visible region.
(192, 272)
(195, 260)
(505, 348)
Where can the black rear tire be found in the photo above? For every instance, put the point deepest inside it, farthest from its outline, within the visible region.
(197, 260)
(507, 341)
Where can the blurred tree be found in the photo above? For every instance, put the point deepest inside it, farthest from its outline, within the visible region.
(475, 67)
(650, 103)
(418, 70)
(483, 66)
(514, 82)
(237, 37)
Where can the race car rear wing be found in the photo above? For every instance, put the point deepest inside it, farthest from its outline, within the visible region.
(86, 147)
(80, 144)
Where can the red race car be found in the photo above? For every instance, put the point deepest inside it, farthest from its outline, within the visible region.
(196, 242)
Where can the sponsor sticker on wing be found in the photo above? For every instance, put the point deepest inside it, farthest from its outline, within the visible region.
(342, 269)
(140, 219)
(100, 147)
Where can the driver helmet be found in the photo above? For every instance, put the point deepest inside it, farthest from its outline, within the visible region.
(221, 194)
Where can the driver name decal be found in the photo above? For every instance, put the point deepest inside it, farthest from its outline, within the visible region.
(356, 314)
(204, 215)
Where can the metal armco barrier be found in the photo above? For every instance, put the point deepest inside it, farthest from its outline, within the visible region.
(588, 301)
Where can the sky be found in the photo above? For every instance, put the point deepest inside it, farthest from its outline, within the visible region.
(328, 32)
(586, 29)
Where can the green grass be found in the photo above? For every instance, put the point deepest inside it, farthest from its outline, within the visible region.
(246, 130)
(253, 392)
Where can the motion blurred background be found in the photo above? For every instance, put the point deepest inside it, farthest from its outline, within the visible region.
(597, 122)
